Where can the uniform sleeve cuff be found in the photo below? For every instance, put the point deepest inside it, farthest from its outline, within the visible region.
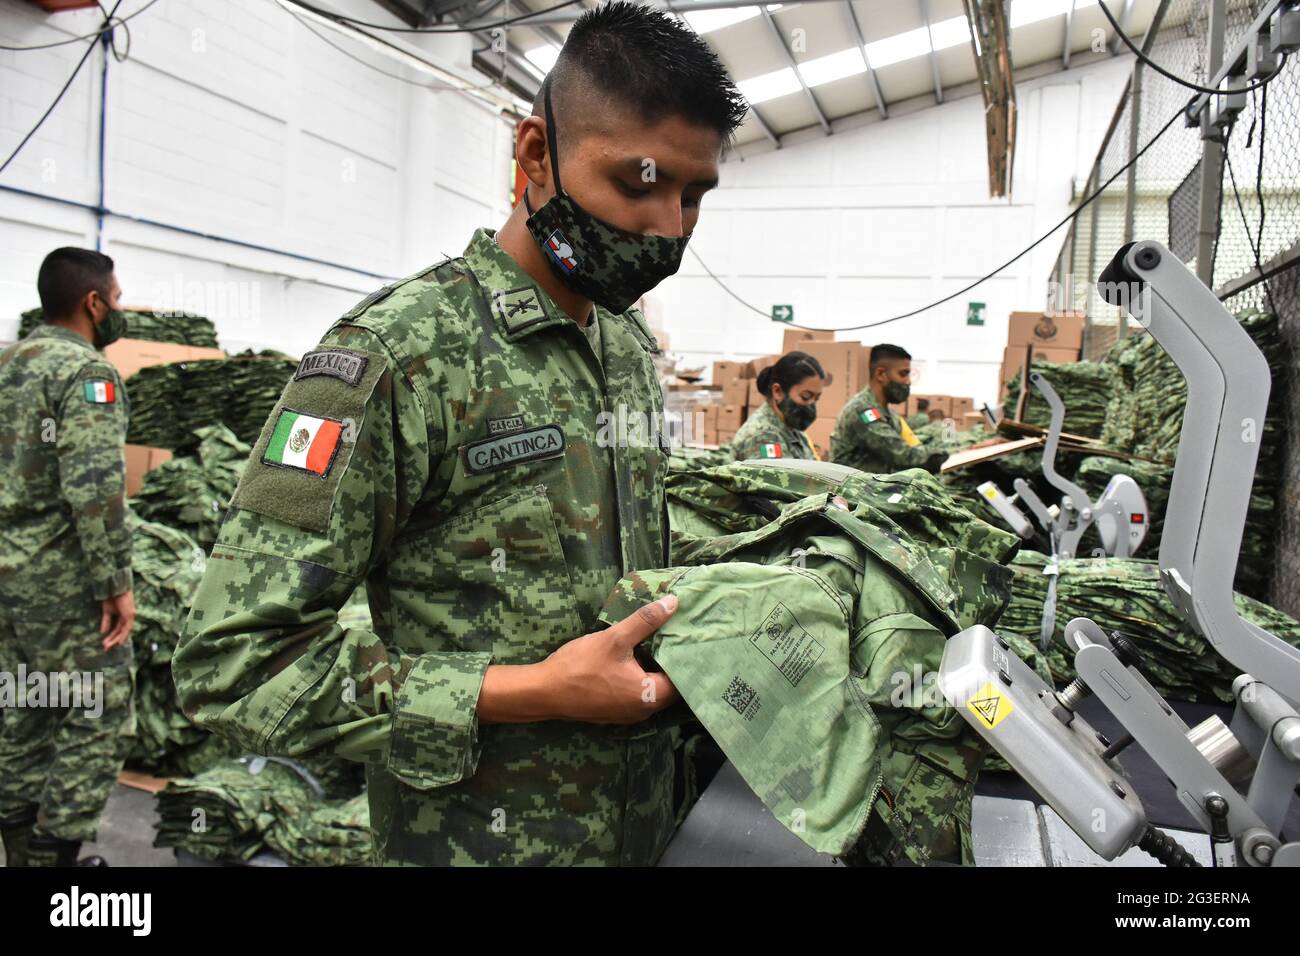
(435, 725)
(120, 582)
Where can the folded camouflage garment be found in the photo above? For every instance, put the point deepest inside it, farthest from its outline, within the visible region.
(170, 402)
(1124, 594)
(177, 328)
(807, 645)
(190, 492)
(309, 813)
(167, 565)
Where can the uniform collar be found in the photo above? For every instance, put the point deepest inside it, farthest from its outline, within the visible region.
(798, 437)
(518, 303)
(47, 330)
(884, 410)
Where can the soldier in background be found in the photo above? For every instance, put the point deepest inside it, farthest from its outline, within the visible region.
(791, 388)
(868, 435)
(66, 601)
(448, 444)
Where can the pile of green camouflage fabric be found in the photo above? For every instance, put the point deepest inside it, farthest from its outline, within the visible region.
(170, 402)
(190, 492)
(307, 812)
(167, 566)
(1124, 594)
(1146, 418)
(178, 328)
(1086, 388)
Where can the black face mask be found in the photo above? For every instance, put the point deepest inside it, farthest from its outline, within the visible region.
(596, 259)
(795, 415)
(896, 393)
(110, 328)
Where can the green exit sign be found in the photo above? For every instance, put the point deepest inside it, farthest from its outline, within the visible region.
(974, 313)
(782, 313)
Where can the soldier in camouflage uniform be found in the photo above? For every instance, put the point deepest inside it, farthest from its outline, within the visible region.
(481, 446)
(66, 600)
(791, 386)
(868, 435)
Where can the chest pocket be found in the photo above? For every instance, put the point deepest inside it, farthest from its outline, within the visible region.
(493, 579)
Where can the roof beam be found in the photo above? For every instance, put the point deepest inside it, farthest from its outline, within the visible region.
(934, 63)
(866, 61)
(789, 58)
(1123, 19)
(1065, 41)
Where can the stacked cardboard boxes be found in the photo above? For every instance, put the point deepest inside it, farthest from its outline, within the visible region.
(1051, 337)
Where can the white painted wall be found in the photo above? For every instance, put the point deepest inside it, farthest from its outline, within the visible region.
(231, 118)
(875, 221)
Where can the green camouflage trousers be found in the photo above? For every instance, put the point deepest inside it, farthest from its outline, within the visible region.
(66, 722)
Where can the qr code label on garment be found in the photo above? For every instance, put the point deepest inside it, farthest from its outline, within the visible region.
(742, 698)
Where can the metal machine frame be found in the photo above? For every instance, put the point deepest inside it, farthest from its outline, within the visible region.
(1236, 781)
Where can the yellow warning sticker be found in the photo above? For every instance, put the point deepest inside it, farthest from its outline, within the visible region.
(990, 705)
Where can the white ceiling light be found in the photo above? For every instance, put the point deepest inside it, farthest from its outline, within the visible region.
(949, 33)
(542, 58)
(1032, 11)
(706, 21)
(769, 86)
(899, 47)
(836, 66)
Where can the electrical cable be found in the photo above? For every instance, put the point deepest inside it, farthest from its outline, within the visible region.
(1165, 73)
(352, 56)
(88, 36)
(80, 63)
(352, 21)
(962, 291)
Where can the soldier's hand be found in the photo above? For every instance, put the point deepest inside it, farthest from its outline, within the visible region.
(595, 678)
(117, 617)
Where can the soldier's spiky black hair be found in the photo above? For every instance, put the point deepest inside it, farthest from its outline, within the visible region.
(884, 353)
(642, 58)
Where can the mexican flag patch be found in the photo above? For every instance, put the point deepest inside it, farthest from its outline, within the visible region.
(772, 451)
(99, 393)
(871, 415)
(303, 442)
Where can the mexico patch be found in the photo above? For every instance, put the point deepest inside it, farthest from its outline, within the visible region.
(535, 444)
(871, 415)
(304, 443)
(343, 364)
(771, 451)
(99, 393)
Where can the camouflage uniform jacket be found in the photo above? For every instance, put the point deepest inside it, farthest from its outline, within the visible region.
(765, 435)
(470, 475)
(64, 543)
(868, 437)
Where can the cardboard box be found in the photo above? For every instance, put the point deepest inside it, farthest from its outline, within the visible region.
(794, 340)
(730, 417)
(724, 437)
(140, 460)
(724, 372)
(130, 355)
(942, 402)
(710, 417)
(754, 366)
(710, 437)
(736, 392)
(969, 420)
(753, 397)
(1059, 331)
(819, 433)
(960, 408)
(844, 364)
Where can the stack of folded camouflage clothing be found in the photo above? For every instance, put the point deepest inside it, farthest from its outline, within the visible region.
(1086, 389)
(178, 328)
(1124, 594)
(1146, 418)
(813, 607)
(190, 492)
(311, 813)
(169, 402)
(167, 565)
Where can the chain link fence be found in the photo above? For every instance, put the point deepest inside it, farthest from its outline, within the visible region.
(1248, 217)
